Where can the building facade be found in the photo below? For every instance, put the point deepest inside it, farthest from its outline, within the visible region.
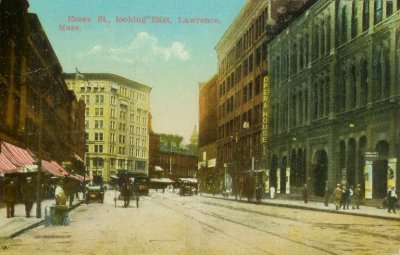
(37, 111)
(207, 131)
(175, 159)
(116, 123)
(242, 64)
(334, 90)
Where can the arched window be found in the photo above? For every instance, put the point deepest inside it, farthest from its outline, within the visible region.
(389, 8)
(353, 93)
(354, 19)
(293, 58)
(364, 83)
(344, 25)
(377, 11)
(306, 118)
(323, 42)
(327, 85)
(316, 43)
(316, 100)
(301, 54)
(378, 77)
(306, 59)
(294, 111)
(321, 98)
(365, 15)
(300, 107)
(328, 34)
(341, 96)
(386, 75)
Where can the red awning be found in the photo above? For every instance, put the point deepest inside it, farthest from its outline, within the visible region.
(54, 168)
(59, 168)
(6, 166)
(18, 156)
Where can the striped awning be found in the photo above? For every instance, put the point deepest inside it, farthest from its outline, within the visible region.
(6, 166)
(16, 155)
(54, 168)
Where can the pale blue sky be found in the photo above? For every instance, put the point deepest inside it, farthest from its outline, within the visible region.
(170, 58)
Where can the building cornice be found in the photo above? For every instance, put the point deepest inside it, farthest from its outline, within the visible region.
(239, 26)
(109, 77)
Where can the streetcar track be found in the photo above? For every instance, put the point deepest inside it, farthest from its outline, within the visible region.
(348, 227)
(209, 226)
(244, 225)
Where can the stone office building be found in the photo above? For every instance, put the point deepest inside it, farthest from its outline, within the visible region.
(334, 113)
(242, 59)
(116, 123)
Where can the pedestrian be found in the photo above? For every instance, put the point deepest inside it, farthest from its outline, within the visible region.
(305, 193)
(28, 196)
(327, 194)
(59, 194)
(69, 189)
(357, 197)
(272, 192)
(349, 197)
(126, 192)
(338, 196)
(10, 197)
(392, 198)
(344, 198)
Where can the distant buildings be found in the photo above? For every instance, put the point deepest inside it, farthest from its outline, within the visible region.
(171, 158)
(117, 115)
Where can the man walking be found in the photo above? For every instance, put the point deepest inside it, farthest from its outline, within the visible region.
(357, 197)
(10, 197)
(28, 196)
(327, 194)
(305, 193)
(338, 196)
(392, 198)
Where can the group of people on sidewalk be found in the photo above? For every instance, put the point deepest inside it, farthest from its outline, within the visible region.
(346, 196)
(64, 189)
(10, 196)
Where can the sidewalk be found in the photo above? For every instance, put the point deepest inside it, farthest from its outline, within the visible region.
(365, 211)
(11, 227)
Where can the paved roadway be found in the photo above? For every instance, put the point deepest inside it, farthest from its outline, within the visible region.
(169, 224)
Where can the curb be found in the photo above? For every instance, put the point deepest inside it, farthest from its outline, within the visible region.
(311, 209)
(35, 225)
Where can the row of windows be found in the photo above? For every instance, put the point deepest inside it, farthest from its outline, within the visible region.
(355, 88)
(295, 57)
(99, 148)
(252, 116)
(253, 33)
(248, 65)
(243, 96)
(98, 124)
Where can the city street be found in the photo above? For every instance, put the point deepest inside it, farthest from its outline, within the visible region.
(166, 223)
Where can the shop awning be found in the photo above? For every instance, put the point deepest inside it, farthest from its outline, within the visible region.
(54, 168)
(78, 158)
(158, 169)
(16, 155)
(6, 166)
